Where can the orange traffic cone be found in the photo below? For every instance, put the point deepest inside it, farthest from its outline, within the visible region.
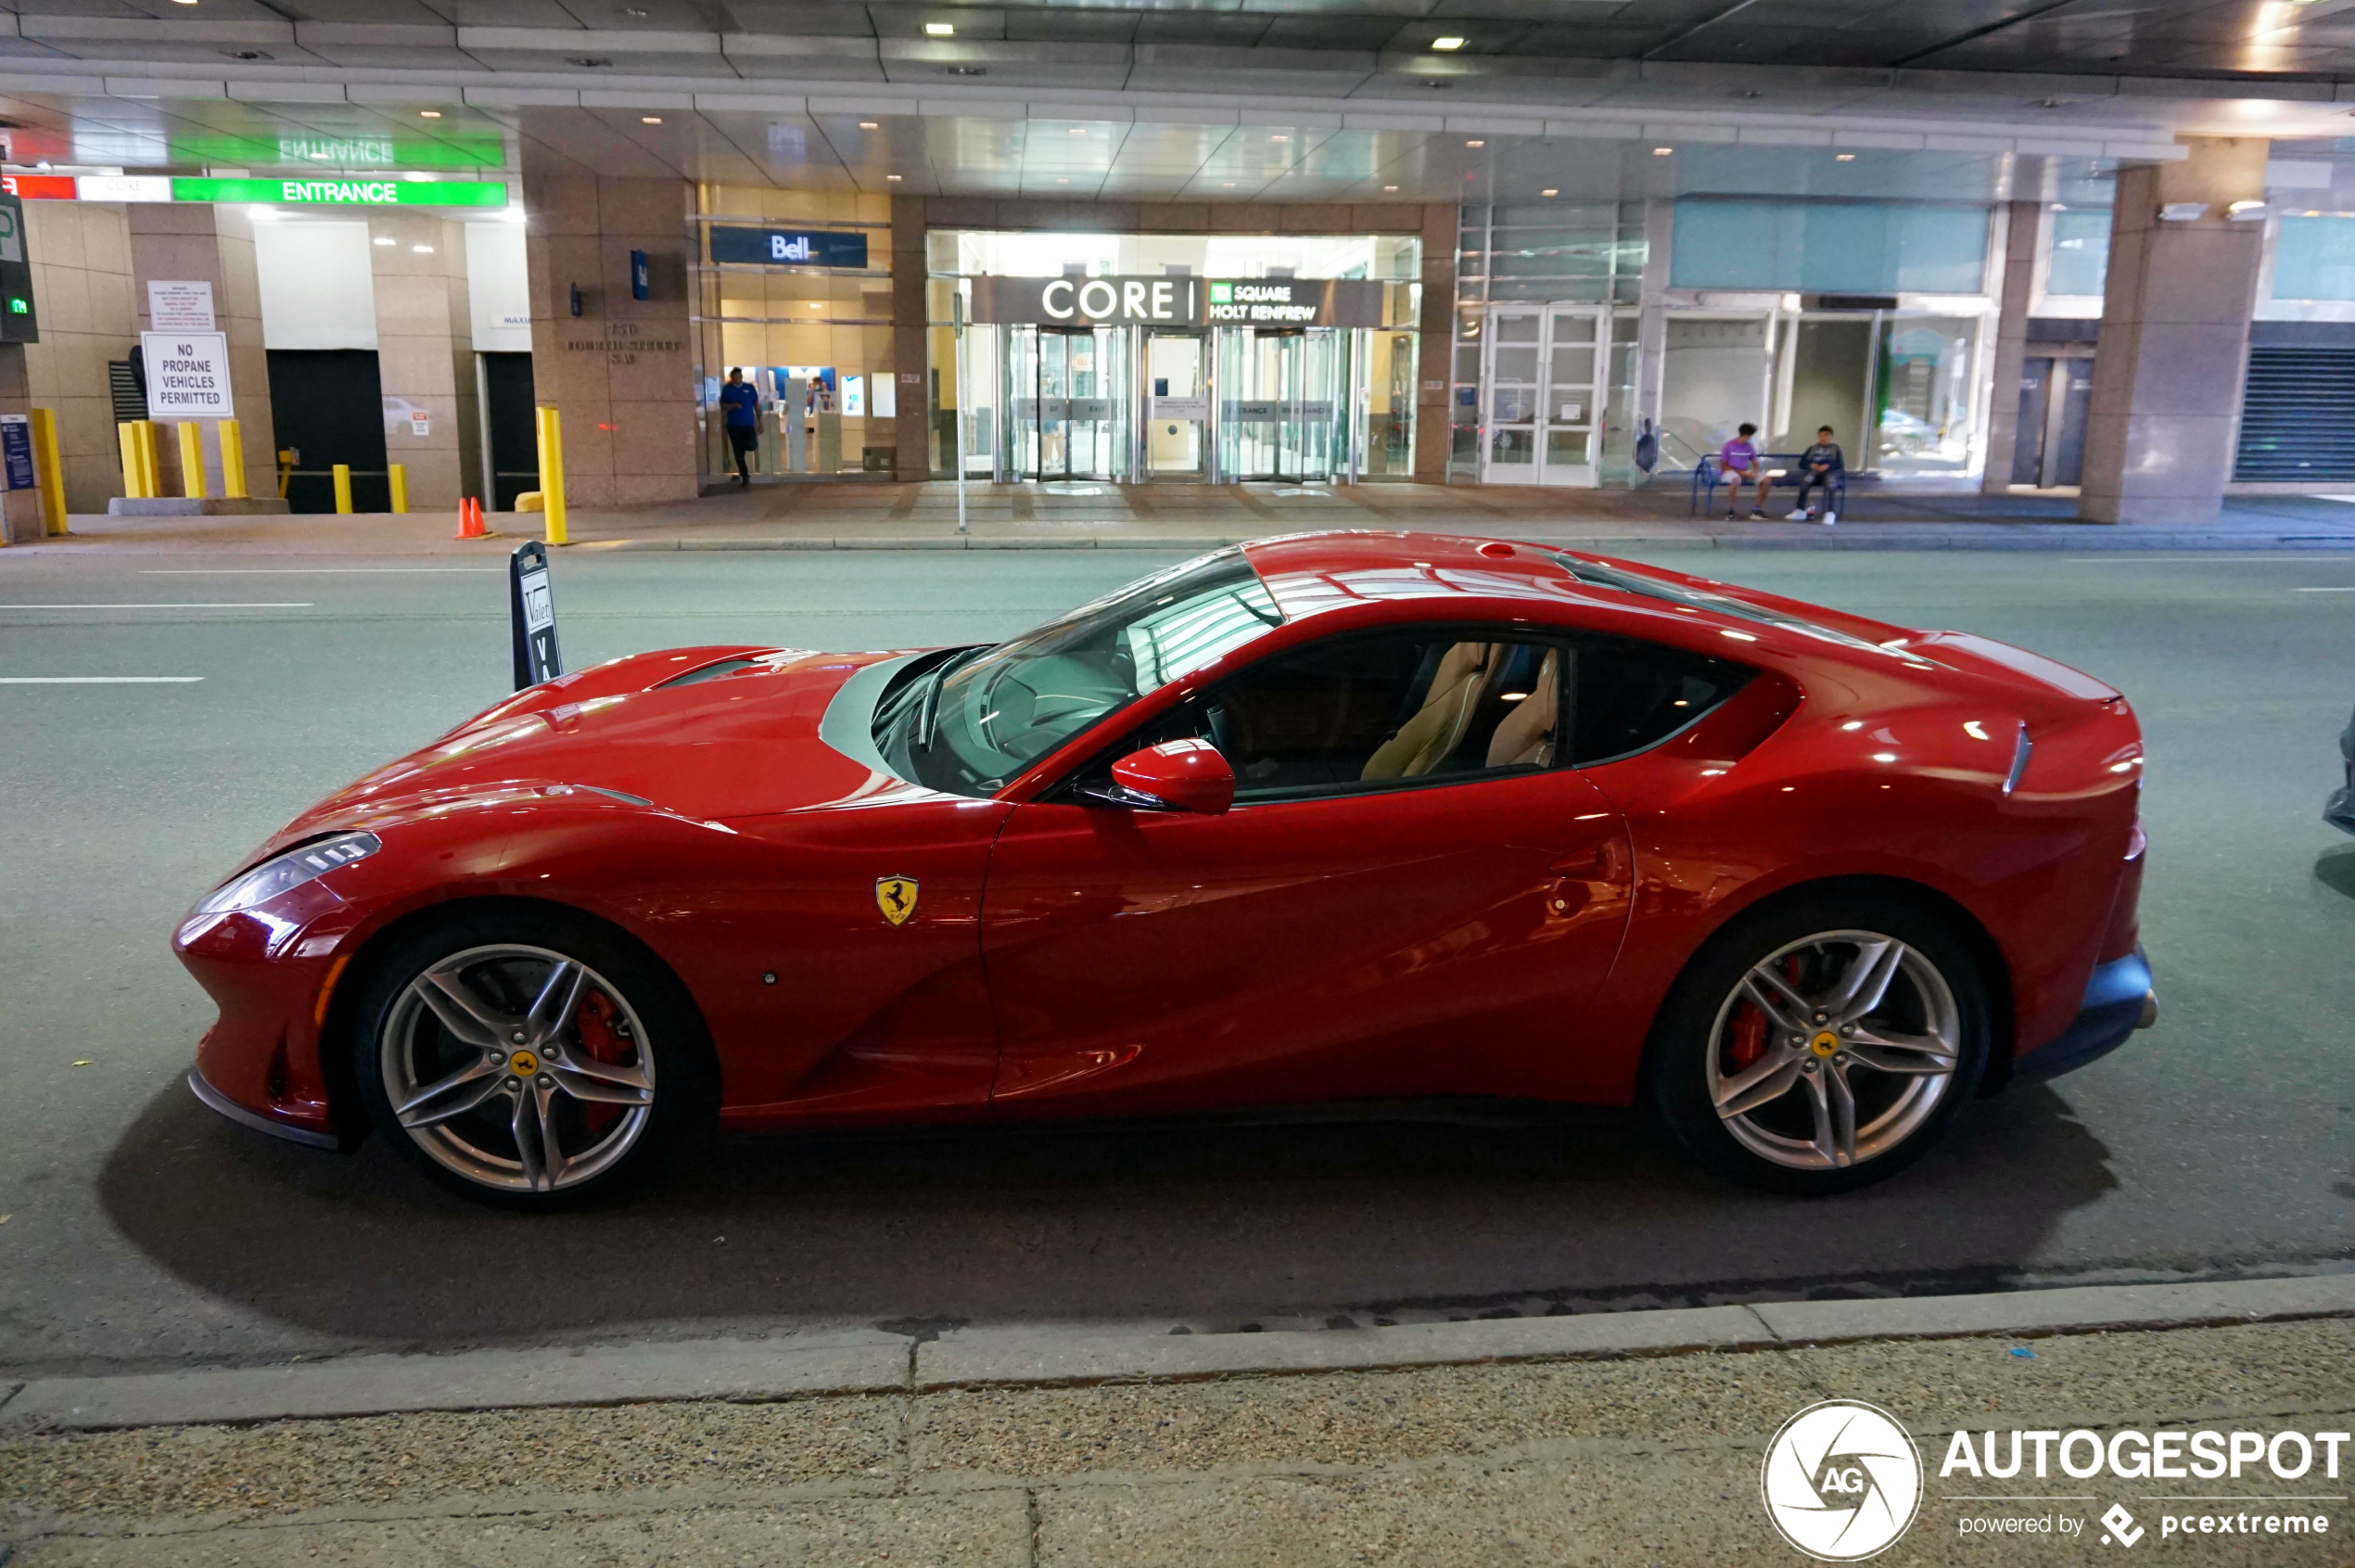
(470, 525)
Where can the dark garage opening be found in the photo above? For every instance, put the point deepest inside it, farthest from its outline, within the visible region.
(328, 405)
(514, 441)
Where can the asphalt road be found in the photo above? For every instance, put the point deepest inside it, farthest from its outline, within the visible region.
(140, 1229)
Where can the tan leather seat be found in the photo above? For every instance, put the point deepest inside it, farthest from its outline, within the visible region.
(1525, 735)
(1437, 729)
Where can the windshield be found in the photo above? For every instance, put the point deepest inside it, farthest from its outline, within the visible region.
(982, 715)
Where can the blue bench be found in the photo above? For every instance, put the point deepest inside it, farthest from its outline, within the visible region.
(1708, 473)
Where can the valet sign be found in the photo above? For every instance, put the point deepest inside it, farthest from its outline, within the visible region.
(187, 375)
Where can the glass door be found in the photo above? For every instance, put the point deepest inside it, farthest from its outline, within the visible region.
(1282, 404)
(1509, 444)
(1310, 443)
(1576, 359)
(1025, 444)
(1177, 387)
(1385, 424)
(1067, 389)
(1545, 377)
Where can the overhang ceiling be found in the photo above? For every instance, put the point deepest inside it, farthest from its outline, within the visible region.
(1236, 99)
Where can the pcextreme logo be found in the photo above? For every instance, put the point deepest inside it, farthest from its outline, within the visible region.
(1842, 1480)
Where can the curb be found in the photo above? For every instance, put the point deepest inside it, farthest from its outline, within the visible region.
(873, 1362)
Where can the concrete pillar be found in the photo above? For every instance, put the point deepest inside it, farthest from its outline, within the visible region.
(2174, 343)
(196, 241)
(80, 254)
(1436, 348)
(425, 353)
(2023, 243)
(911, 348)
(621, 372)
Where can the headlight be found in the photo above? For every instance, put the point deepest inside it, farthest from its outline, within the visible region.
(292, 869)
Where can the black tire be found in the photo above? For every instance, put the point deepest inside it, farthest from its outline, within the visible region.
(1900, 1100)
(620, 1067)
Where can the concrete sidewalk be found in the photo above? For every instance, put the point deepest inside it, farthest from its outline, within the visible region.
(1621, 1439)
(877, 516)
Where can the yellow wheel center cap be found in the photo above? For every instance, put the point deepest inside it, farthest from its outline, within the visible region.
(1824, 1043)
(523, 1064)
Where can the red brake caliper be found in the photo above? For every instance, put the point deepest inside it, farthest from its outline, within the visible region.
(1745, 1035)
(593, 1027)
(1746, 1030)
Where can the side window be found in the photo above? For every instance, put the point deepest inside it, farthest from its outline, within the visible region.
(1630, 695)
(1379, 711)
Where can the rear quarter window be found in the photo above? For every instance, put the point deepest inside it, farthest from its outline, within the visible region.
(1632, 696)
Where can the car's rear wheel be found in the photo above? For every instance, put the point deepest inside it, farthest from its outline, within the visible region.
(529, 1060)
(1821, 1045)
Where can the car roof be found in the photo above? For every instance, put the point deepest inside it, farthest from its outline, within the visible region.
(1312, 573)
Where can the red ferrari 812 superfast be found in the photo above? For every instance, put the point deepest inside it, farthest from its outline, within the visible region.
(1338, 817)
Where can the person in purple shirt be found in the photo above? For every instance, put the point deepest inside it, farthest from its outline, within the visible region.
(1741, 464)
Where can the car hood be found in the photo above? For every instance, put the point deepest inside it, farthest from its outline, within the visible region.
(704, 732)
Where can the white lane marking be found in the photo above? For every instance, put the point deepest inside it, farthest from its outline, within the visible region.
(98, 680)
(2284, 557)
(302, 572)
(2323, 590)
(204, 605)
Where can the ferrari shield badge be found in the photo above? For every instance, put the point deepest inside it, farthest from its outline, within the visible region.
(896, 896)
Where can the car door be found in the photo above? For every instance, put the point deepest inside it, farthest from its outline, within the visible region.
(1408, 897)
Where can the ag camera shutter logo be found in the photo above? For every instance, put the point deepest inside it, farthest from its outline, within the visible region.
(1841, 1481)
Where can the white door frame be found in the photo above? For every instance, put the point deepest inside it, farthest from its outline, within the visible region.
(1538, 409)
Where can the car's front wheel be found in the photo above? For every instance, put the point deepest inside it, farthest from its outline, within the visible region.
(1820, 1045)
(528, 1059)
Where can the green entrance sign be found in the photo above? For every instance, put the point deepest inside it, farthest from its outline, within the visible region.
(294, 149)
(346, 193)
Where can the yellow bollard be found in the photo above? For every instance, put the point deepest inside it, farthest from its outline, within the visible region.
(287, 459)
(49, 471)
(192, 460)
(552, 473)
(343, 486)
(397, 477)
(128, 434)
(233, 459)
(150, 467)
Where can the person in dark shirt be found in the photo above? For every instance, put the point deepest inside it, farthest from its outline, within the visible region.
(740, 409)
(1819, 465)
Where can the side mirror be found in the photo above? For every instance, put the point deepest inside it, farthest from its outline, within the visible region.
(1188, 775)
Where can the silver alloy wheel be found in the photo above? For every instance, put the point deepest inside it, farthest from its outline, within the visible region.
(1859, 1043)
(487, 1069)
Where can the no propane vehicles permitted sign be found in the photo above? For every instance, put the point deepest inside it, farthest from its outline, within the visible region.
(187, 375)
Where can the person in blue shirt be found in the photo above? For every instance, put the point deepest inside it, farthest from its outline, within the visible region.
(1819, 465)
(740, 409)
